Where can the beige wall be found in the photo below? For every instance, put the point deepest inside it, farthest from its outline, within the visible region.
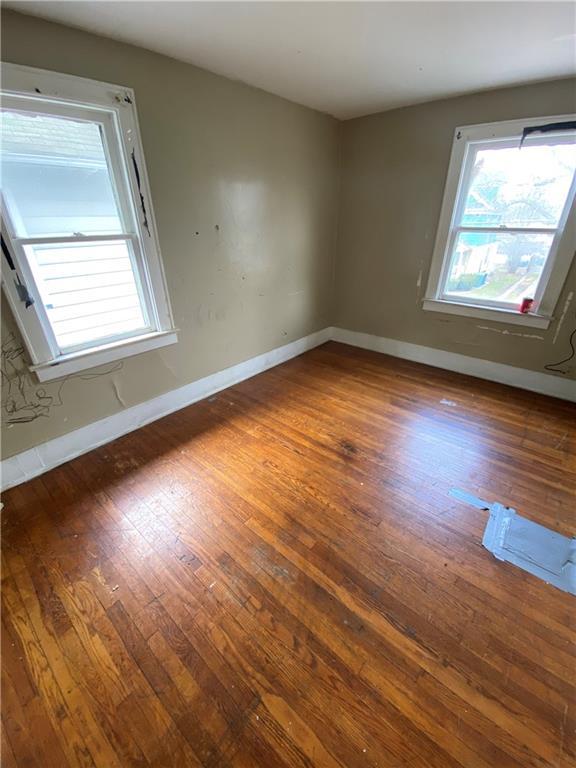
(394, 165)
(245, 189)
(244, 186)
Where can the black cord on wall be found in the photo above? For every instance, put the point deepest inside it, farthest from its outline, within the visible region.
(554, 366)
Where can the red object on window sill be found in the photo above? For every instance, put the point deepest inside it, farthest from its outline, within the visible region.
(526, 306)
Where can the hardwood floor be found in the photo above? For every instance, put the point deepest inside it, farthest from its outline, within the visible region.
(277, 577)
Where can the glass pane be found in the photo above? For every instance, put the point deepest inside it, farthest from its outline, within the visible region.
(89, 290)
(519, 187)
(55, 176)
(497, 266)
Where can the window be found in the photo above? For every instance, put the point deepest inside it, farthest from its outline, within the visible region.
(82, 268)
(507, 229)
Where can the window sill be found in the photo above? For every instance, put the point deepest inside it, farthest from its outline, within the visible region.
(107, 353)
(484, 313)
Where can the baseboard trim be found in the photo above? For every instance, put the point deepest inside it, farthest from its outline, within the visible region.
(545, 384)
(35, 461)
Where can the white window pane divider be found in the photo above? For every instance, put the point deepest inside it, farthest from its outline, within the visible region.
(63, 239)
(505, 229)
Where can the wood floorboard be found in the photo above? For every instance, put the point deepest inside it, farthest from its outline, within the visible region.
(277, 577)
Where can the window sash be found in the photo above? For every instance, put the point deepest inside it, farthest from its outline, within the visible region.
(32, 279)
(141, 288)
(464, 182)
(111, 142)
(445, 295)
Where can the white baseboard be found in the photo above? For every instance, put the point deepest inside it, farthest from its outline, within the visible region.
(546, 384)
(35, 461)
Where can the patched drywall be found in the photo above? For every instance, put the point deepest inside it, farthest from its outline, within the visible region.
(244, 186)
(394, 166)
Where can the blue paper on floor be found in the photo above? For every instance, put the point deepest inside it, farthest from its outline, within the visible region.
(532, 547)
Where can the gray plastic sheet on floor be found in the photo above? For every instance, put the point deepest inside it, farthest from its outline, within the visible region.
(532, 547)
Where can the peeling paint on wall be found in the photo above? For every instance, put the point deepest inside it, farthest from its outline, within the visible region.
(563, 316)
(467, 343)
(167, 365)
(506, 332)
(119, 397)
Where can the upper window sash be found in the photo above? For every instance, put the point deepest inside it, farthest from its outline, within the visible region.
(111, 135)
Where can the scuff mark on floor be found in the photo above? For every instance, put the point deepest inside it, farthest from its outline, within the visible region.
(348, 447)
(561, 442)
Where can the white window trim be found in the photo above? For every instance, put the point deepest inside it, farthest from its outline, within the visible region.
(557, 265)
(106, 353)
(120, 103)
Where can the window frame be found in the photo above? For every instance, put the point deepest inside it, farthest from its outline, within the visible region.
(113, 107)
(465, 141)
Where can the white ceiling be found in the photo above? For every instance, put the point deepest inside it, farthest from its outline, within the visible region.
(345, 58)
